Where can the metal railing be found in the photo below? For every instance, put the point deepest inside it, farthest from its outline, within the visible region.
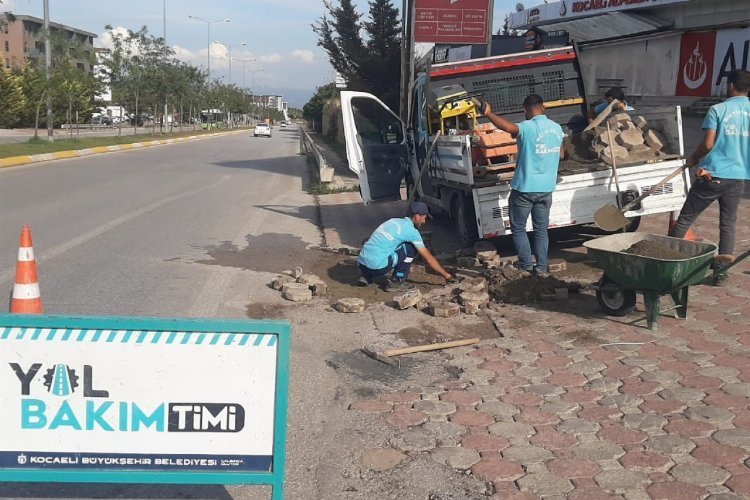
(308, 147)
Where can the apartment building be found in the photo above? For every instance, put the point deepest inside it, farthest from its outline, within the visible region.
(22, 41)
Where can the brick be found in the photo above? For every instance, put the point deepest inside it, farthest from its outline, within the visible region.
(572, 468)
(624, 402)
(461, 398)
(484, 442)
(592, 494)
(724, 373)
(701, 382)
(586, 367)
(302, 294)
(472, 418)
(405, 418)
(455, 458)
(690, 428)
(560, 408)
(544, 389)
(603, 384)
(497, 470)
(579, 395)
(684, 368)
(408, 299)
(370, 406)
(647, 462)
(674, 490)
(553, 440)
(545, 484)
(699, 473)
(719, 455)
(598, 450)
(382, 459)
(350, 305)
(536, 417)
(724, 400)
(621, 479)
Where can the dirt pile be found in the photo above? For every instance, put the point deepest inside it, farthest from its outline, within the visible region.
(513, 286)
(656, 250)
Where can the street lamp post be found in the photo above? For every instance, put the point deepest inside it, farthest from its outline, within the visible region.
(208, 39)
(244, 61)
(229, 48)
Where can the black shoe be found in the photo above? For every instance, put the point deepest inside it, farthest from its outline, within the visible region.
(397, 285)
(362, 281)
(720, 279)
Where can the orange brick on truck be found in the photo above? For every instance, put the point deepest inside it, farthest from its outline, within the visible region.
(469, 172)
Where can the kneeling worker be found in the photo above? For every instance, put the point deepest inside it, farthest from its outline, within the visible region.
(393, 246)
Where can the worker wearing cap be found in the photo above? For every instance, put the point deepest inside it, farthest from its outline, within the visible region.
(615, 93)
(393, 246)
(539, 153)
(724, 165)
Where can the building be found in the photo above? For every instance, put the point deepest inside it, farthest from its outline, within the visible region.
(22, 41)
(270, 102)
(682, 49)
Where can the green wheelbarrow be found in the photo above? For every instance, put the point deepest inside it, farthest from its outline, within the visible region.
(627, 274)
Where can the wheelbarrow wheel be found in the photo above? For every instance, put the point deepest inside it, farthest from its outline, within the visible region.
(613, 299)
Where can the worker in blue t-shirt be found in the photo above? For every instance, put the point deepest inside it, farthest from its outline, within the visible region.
(393, 246)
(725, 165)
(539, 154)
(615, 93)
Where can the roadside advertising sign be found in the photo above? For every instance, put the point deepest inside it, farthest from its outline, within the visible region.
(135, 400)
(459, 22)
(570, 9)
(706, 58)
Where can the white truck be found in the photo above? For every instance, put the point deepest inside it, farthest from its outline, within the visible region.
(383, 151)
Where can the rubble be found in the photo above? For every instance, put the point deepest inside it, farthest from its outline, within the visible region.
(296, 292)
(630, 138)
(441, 309)
(633, 139)
(466, 262)
(280, 281)
(654, 140)
(472, 285)
(350, 305)
(408, 299)
(297, 272)
(641, 123)
(485, 250)
(619, 153)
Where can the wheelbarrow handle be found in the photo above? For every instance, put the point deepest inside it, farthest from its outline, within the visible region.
(736, 261)
(655, 187)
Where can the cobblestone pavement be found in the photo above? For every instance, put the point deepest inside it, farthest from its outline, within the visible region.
(550, 410)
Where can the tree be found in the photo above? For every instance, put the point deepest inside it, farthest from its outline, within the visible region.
(313, 110)
(35, 90)
(371, 65)
(11, 95)
(506, 27)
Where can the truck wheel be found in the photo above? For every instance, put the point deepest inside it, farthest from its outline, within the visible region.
(633, 224)
(463, 217)
(614, 300)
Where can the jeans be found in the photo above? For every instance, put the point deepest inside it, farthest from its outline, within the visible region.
(701, 195)
(538, 206)
(405, 254)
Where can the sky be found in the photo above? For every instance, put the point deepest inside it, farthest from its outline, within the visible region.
(277, 35)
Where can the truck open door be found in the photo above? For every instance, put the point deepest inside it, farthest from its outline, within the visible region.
(376, 146)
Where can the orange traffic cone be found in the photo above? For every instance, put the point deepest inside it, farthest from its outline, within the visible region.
(690, 235)
(26, 296)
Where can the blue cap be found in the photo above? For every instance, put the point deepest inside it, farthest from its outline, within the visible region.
(419, 208)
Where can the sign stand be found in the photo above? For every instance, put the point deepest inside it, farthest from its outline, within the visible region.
(143, 400)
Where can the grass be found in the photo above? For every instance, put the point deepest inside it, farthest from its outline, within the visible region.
(320, 188)
(62, 142)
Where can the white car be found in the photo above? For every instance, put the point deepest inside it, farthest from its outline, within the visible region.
(283, 124)
(262, 129)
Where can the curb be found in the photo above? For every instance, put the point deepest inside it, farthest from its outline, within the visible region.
(15, 161)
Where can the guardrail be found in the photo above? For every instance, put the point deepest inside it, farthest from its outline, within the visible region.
(309, 148)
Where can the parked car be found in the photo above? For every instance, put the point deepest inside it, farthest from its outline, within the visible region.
(283, 124)
(262, 129)
(101, 120)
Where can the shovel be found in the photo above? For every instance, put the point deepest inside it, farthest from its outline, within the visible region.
(610, 218)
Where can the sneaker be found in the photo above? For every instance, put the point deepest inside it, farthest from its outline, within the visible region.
(397, 285)
(720, 279)
(541, 274)
(362, 281)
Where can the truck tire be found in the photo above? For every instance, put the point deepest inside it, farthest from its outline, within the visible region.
(464, 220)
(633, 225)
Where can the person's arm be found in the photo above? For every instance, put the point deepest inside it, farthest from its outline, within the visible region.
(709, 139)
(433, 263)
(500, 122)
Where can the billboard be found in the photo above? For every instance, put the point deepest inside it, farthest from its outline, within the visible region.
(706, 58)
(459, 22)
(142, 400)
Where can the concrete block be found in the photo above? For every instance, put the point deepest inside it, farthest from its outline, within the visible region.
(603, 138)
(350, 305)
(485, 250)
(319, 289)
(619, 117)
(654, 140)
(630, 139)
(444, 309)
(309, 279)
(471, 308)
(641, 123)
(556, 265)
(279, 282)
(298, 294)
(297, 272)
(619, 152)
(481, 298)
(473, 285)
(293, 285)
(408, 299)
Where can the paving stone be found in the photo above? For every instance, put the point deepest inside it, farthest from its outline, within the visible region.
(498, 409)
(674, 490)
(739, 350)
(663, 377)
(622, 435)
(619, 480)
(604, 384)
(647, 462)
(599, 413)
(646, 422)
(523, 399)
(371, 406)
(408, 299)
(545, 485)
(693, 356)
(599, 450)
(433, 408)
(581, 396)
(578, 426)
(621, 401)
(489, 392)
(406, 417)
(553, 362)
(536, 417)
(573, 468)
(532, 373)
(586, 367)
(724, 496)
(662, 407)
(415, 440)
(512, 430)
(441, 309)
(701, 382)
(497, 469)
(561, 408)
(669, 445)
(382, 459)
(526, 454)
(710, 414)
(461, 398)
(279, 282)
(499, 366)
(690, 428)
(699, 473)
(640, 361)
(446, 433)
(552, 439)
(640, 388)
(484, 442)
(740, 484)
(733, 437)
(724, 400)
(350, 305)
(725, 373)
(683, 394)
(471, 418)
(544, 390)
(719, 454)
(591, 493)
(455, 458)
(737, 389)
(477, 376)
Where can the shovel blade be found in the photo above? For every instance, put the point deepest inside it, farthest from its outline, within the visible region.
(610, 218)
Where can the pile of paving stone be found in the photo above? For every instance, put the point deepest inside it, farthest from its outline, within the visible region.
(632, 139)
(297, 286)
